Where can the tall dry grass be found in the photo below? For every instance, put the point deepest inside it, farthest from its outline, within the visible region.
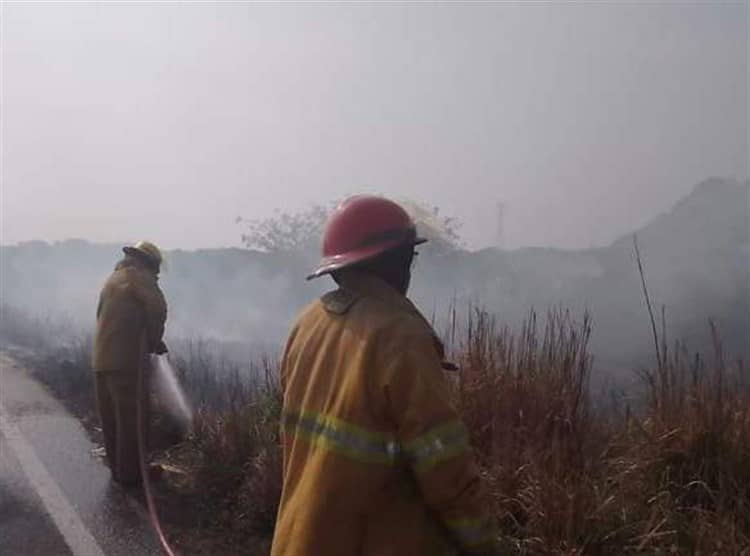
(668, 475)
(525, 399)
(232, 452)
(690, 451)
(673, 477)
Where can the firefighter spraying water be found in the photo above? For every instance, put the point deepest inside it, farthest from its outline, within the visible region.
(130, 316)
(130, 320)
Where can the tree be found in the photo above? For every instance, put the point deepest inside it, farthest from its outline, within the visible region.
(302, 231)
(284, 231)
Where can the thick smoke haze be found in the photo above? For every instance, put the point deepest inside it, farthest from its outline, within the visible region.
(587, 121)
(696, 256)
(167, 121)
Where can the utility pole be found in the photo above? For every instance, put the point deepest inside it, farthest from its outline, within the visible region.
(500, 229)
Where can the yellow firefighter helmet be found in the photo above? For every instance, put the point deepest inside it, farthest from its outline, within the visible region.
(145, 249)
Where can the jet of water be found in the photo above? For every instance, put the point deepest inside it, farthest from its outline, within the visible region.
(169, 391)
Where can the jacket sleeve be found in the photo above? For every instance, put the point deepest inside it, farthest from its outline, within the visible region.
(435, 442)
(155, 307)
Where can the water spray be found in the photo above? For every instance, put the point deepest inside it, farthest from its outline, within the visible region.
(169, 392)
(153, 515)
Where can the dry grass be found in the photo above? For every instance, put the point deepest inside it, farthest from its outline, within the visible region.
(525, 400)
(674, 478)
(232, 455)
(565, 478)
(669, 476)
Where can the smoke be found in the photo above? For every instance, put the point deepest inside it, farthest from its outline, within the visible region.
(696, 258)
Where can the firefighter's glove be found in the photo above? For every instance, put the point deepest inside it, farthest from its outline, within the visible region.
(161, 348)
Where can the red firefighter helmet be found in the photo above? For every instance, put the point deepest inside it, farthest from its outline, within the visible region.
(361, 228)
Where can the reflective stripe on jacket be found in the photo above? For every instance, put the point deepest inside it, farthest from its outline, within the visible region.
(131, 307)
(376, 460)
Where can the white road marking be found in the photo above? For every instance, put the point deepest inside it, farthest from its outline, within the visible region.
(77, 537)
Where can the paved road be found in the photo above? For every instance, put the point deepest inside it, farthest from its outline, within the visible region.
(56, 498)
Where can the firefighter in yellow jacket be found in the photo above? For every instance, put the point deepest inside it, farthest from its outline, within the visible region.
(376, 460)
(130, 325)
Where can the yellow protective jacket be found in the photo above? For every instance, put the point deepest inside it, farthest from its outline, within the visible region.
(131, 308)
(376, 460)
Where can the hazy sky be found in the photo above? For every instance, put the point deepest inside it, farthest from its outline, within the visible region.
(167, 121)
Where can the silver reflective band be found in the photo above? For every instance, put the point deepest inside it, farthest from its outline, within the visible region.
(437, 445)
(344, 438)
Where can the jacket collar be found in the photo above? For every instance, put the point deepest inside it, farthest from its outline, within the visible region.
(135, 264)
(363, 284)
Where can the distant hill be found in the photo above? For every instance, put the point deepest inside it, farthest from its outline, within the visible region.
(696, 256)
(697, 264)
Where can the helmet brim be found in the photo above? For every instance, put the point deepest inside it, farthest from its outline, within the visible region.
(135, 252)
(340, 262)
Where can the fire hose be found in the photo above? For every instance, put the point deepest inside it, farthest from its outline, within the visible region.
(142, 399)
